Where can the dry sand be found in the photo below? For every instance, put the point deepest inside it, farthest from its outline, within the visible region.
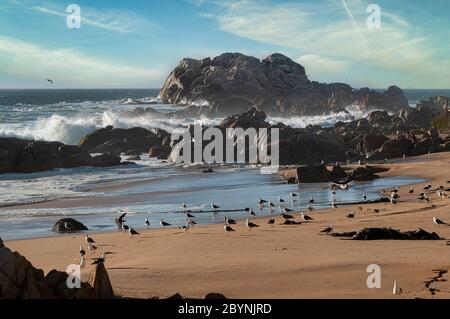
(276, 261)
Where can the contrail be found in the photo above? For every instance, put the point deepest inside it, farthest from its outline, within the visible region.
(355, 26)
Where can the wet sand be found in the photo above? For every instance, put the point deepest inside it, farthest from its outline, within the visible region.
(276, 261)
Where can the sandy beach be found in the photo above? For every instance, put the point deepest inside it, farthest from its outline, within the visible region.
(276, 261)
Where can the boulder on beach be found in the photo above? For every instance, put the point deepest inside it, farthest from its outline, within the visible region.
(66, 225)
(383, 233)
(99, 280)
(312, 174)
(215, 295)
(20, 280)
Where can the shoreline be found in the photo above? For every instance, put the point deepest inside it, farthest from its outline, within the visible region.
(274, 261)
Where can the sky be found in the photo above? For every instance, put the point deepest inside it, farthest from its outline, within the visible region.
(135, 44)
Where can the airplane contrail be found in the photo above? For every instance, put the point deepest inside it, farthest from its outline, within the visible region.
(355, 26)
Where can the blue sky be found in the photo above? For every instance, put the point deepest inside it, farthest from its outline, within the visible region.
(136, 43)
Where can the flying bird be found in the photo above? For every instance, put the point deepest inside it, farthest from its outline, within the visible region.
(120, 220)
(50, 81)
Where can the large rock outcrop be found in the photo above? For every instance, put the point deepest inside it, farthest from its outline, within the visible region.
(232, 82)
(24, 156)
(20, 280)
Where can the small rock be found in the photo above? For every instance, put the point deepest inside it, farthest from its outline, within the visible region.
(215, 295)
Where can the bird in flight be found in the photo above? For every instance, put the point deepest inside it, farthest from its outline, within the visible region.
(49, 81)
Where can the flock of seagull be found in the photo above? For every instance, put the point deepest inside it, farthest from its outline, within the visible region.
(285, 213)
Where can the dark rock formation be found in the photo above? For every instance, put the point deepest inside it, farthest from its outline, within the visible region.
(133, 141)
(366, 173)
(232, 82)
(67, 225)
(312, 174)
(389, 233)
(24, 156)
(99, 280)
(215, 295)
(1, 243)
(20, 280)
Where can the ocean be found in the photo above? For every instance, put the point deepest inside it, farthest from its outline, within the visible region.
(150, 188)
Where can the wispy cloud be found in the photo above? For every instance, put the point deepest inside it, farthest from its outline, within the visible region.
(69, 67)
(334, 30)
(119, 21)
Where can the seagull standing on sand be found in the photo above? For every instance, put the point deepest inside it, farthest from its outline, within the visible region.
(227, 228)
(287, 216)
(287, 210)
(250, 225)
(89, 240)
(438, 222)
(327, 230)
(411, 190)
(125, 228)
(99, 260)
(132, 231)
(82, 252)
(252, 213)
(351, 215)
(164, 224)
(229, 221)
(271, 221)
(186, 227)
(306, 217)
(184, 206)
(147, 223)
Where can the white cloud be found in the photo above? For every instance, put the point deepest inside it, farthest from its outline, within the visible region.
(337, 30)
(69, 68)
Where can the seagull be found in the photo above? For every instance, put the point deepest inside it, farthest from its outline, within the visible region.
(333, 204)
(227, 228)
(351, 215)
(310, 208)
(311, 200)
(287, 210)
(252, 213)
(396, 290)
(184, 206)
(294, 195)
(50, 81)
(287, 216)
(132, 231)
(376, 210)
(92, 248)
(125, 227)
(186, 227)
(280, 200)
(437, 221)
(119, 221)
(99, 260)
(214, 206)
(261, 201)
(306, 217)
(82, 252)
(67, 227)
(364, 197)
(427, 187)
(147, 223)
(249, 224)
(189, 215)
(411, 190)
(229, 221)
(191, 222)
(327, 230)
(271, 221)
(89, 240)
(271, 204)
(164, 224)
